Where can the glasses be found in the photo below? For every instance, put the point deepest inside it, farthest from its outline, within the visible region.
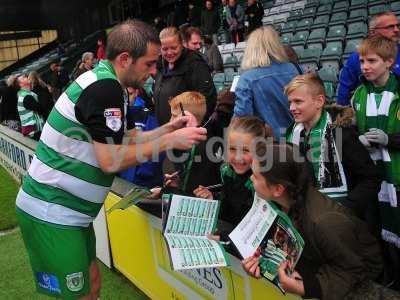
(389, 27)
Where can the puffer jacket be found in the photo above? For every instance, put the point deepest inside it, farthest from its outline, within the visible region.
(191, 73)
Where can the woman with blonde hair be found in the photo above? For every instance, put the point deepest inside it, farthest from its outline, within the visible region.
(180, 70)
(266, 71)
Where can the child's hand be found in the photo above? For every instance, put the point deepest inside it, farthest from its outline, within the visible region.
(202, 192)
(155, 193)
(292, 283)
(172, 180)
(250, 265)
(363, 139)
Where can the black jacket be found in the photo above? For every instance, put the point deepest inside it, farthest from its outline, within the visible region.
(194, 16)
(9, 109)
(210, 21)
(45, 100)
(362, 175)
(254, 15)
(191, 73)
(339, 252)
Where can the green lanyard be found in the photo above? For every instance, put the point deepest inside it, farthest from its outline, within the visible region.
(188, 167)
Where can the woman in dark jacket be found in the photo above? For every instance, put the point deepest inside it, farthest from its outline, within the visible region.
(340, 258)
(39, 87)
(180, 70)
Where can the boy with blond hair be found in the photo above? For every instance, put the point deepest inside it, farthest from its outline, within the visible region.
(197, 168)
(377, 108)
(341, 166)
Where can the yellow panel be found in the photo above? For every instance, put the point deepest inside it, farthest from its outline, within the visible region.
(48, 36)
(23, 42)
(26, 50)
(10, 43)
(8, 54)
(139, 252)
(5, 64)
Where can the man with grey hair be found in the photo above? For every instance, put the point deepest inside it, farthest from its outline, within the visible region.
(384, 24)
(83, 144)
(85, 65)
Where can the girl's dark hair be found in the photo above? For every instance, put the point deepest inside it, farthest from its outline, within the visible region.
(281, 164)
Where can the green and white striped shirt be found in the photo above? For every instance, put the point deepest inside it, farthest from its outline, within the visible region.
(65, 184)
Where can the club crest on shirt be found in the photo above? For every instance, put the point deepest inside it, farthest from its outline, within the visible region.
(75, 281)
(113, 118)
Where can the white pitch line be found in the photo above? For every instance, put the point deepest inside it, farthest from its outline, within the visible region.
(9, 231)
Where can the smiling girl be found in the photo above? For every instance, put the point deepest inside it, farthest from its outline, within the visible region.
(237, 192)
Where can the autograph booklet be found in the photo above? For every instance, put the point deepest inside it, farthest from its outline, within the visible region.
(268, 232)
(186, 223)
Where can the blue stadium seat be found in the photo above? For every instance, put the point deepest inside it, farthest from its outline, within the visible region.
(300, 38)
(329, 77)
(351, 46)
(231, 62)
(324, 9)
(341, 6)
(320, 22)
(331, 55)
(338, 18)
(336, 33)
(309, 59)
(317, 36)
(298, 49)
(356, 4)
(358, 15)
(309, 12)
(304, 24)
(219, 81)
(357, 30)
(286, 38)
(374, 10)
(395, 6)
(289, 27)
(295, 15)
(312, 3)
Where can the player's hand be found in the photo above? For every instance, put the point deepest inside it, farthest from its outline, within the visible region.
(172, 180)
(202, 192)
(185, 138)
(214, 237)
(292, 283)
(251, 266)
(188, 120)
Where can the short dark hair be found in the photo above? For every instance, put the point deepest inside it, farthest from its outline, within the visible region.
(131, 36)
(187, 33)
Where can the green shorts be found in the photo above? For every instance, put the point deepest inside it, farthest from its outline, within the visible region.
(60, 256)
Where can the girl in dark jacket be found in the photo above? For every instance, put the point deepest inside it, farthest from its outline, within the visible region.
(237, 191)
(340, 258)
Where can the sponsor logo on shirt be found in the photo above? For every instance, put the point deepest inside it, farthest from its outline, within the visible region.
(48, 282)
(113, 118)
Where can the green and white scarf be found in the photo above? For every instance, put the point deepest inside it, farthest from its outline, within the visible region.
(322, 153)
(380, 108)
(378, 112)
